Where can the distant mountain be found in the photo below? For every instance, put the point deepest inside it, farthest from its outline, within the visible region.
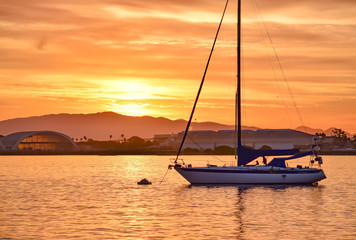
(101, 125)
(328, 132)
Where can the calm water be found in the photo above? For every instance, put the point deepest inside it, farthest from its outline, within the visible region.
(96, 197)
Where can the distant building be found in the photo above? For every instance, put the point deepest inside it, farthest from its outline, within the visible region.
(2, 147)
(37, 141)
(165, 139)
(274, 138)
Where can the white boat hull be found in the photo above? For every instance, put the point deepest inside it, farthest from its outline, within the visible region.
(250, 175)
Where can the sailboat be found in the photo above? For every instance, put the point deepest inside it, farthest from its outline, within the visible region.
(274, 172)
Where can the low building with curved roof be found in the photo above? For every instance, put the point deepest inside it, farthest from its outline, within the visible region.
(37, 141)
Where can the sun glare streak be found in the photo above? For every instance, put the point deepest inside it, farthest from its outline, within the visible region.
(134, 96)
(130, 89)
(188, 16)
(132, 109)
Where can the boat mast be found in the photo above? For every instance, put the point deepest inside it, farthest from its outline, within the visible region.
(238, 90)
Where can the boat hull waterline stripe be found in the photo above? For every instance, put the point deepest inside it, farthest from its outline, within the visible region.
(210, 170)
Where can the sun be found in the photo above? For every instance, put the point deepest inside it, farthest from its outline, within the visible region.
(130, 96)
(132, 109)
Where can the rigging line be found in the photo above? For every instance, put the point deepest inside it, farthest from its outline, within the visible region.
(283, 74)
(201, 148)
(239, 78)
(201, 84)
(164, 176)
(255, 6)
(244, 103)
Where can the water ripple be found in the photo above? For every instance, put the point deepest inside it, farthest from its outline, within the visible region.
(96, 197)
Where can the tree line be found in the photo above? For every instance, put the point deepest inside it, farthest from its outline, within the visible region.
(340, 137)
(133, 143)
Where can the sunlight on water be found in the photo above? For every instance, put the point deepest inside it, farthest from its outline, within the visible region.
(97, 197)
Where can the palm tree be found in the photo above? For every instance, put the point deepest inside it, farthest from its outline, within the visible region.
(340, 136)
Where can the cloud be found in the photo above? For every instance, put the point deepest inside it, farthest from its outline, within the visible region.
(70, 49)
(42, 43)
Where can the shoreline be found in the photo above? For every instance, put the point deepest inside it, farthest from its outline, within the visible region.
(141, 152)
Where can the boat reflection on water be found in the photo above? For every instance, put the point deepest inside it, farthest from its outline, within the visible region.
(261, 210)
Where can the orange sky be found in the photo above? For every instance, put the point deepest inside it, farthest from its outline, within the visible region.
(139, 57)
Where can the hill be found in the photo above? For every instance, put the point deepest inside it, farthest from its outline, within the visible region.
(101, 125)
(328, 132)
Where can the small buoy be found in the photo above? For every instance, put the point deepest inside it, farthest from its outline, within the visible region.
(144, 182)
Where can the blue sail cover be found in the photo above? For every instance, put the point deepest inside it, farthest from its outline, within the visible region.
(247, 155)
(281, 162)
